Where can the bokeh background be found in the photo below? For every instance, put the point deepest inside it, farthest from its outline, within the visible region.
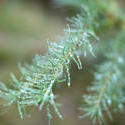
(25, 25)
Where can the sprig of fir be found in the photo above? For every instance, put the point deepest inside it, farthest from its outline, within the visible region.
(35, 86)
(107, 94)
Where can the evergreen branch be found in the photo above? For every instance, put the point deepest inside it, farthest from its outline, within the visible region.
(103, 89)
(35, 86)
(57, 72)
(107, 92)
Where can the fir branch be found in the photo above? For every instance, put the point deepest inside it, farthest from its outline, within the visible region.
(103, 89)
(35, 86)
(58, 70)
(107, 92)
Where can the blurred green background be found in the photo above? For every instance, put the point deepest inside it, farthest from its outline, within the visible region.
(25, 25)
